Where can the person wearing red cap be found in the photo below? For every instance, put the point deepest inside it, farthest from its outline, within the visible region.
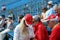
(52, 22)
(55, 34)
(24, 31)
(39, 29)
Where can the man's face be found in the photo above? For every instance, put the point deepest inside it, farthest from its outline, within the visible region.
(57, 10)
(9, 19)
(51, 24)
(49, 6)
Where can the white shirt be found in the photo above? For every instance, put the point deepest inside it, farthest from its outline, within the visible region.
(9, 25)
(19, 36)
(1, 22)
(49, 12)
(43, 14)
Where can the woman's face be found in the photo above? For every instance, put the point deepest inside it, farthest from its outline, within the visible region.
(9, 19)
(44, 11)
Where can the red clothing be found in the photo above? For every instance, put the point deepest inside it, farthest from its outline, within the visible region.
(55, 35)
(40, 32)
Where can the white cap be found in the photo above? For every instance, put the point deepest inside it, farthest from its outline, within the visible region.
(36, 17)
(0, 16)
(9, 16)
(50, 2)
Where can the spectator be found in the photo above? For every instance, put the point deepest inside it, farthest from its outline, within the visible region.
(3, 16)
(50, 4)
(55, 34)
(12, 15)
(0, 18)
(39, 29)
(57, 10)
(9, 23)
(3, 21)
(0, 21)
(20, 17)
(52, 22)
(51, 11)
(43, 12)
(24, 30)
(1, 24)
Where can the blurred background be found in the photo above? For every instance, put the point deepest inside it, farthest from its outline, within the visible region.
(17, 7)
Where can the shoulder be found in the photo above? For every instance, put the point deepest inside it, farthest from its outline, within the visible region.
(41, 26)
(56, 31)
(56, 28)
(17, 27)
(50, 10)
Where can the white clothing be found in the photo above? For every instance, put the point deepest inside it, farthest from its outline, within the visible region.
(44, 15)
(1, 22)
(19, 36)
(3, 33)
(31, 31)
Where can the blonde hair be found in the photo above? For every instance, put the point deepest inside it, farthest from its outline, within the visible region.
(23, 29)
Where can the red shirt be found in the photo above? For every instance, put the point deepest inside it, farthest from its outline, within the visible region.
(40, 32)
(55, 35)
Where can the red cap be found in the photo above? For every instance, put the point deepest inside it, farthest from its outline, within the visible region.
(28, 19)
(52, 16)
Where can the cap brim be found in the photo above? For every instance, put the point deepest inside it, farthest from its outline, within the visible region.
(44, 20)
(29, 22)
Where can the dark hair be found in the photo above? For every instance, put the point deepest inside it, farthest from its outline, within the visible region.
(20, 16)
(44, 8)
(37, 19)
(48, 22)
(3, 16)
(25, 24)
(10, 18)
